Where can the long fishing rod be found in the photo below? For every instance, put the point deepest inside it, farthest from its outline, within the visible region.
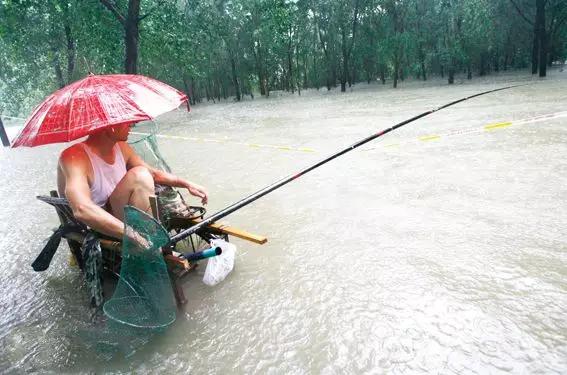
(260, 193)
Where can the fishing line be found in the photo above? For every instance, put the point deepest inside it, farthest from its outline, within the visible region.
(421, 138)
(13, 118)
(260, 193)
(475, 130)
(229, 142)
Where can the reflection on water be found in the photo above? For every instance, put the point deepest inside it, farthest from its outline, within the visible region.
(447, 256)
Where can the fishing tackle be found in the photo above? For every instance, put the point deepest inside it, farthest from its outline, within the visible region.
(260, 193)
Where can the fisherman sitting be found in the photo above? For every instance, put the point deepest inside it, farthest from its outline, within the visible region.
(103, 174)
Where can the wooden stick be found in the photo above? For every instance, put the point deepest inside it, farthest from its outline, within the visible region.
(182, 222)
(155, 208)
(173, 260)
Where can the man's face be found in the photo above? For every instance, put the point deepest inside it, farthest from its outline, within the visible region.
(120, 132)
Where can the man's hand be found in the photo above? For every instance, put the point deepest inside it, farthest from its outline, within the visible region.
(137, 239)
(198, 191)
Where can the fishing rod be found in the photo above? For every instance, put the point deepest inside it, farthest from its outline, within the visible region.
(260, 193)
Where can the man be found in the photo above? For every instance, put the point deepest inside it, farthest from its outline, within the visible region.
(103, 174)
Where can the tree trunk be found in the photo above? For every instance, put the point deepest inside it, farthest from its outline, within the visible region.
(551, 56)
(496, 63)
(305, 75)
(315, 74)
(298, 70)
(334, 74)
(218, 88)
(396, 71)
(208, 90)
(482, 67)
(368, 68)
(234, 76)
(221, 89)
(195, 97)
(261, 83)
(189, 90)
(3, 135)
(540, 18)
(249, 89)
(132, 33)
(347, 49)
(345, 61)
(290, 68)
(55, 58)
(535, 51)
(451, 77)
(283, 81)
(70, 52)
(352, 76)
(513, 60)
(259, 69)
(186, 87)
(57, 67)
(329, 65)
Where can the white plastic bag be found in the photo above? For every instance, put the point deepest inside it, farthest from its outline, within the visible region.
(220, 266)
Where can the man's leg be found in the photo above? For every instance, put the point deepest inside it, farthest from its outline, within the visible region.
(134, 189)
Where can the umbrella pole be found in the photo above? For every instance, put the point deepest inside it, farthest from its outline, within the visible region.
(4, 135)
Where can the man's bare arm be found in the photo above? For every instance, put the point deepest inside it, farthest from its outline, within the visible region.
(74, 167)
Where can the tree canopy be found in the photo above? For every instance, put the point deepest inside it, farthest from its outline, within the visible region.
(215, 49)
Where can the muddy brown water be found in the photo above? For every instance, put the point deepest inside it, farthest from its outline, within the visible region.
(413, 254)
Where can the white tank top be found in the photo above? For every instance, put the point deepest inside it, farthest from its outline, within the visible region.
(105, 176)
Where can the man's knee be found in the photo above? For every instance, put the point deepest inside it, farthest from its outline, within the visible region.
(141, 176)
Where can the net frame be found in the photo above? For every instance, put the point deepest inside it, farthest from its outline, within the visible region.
(143, 297)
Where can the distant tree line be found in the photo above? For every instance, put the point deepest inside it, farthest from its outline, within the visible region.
(215, 49)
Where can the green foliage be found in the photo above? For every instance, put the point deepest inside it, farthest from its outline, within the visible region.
(216, 49)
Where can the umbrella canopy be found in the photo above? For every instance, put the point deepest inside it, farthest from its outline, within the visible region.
(95, 102)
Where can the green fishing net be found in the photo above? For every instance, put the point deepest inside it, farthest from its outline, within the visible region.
(143, 140)
(143, 297)
(143, 304)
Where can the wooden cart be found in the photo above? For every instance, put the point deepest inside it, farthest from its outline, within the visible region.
(96, 265)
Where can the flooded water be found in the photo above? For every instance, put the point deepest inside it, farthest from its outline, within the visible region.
(438, 248)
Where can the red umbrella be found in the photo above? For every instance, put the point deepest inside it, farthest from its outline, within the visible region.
(95, 102)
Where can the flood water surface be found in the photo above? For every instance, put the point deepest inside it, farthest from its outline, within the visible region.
(439, 248)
